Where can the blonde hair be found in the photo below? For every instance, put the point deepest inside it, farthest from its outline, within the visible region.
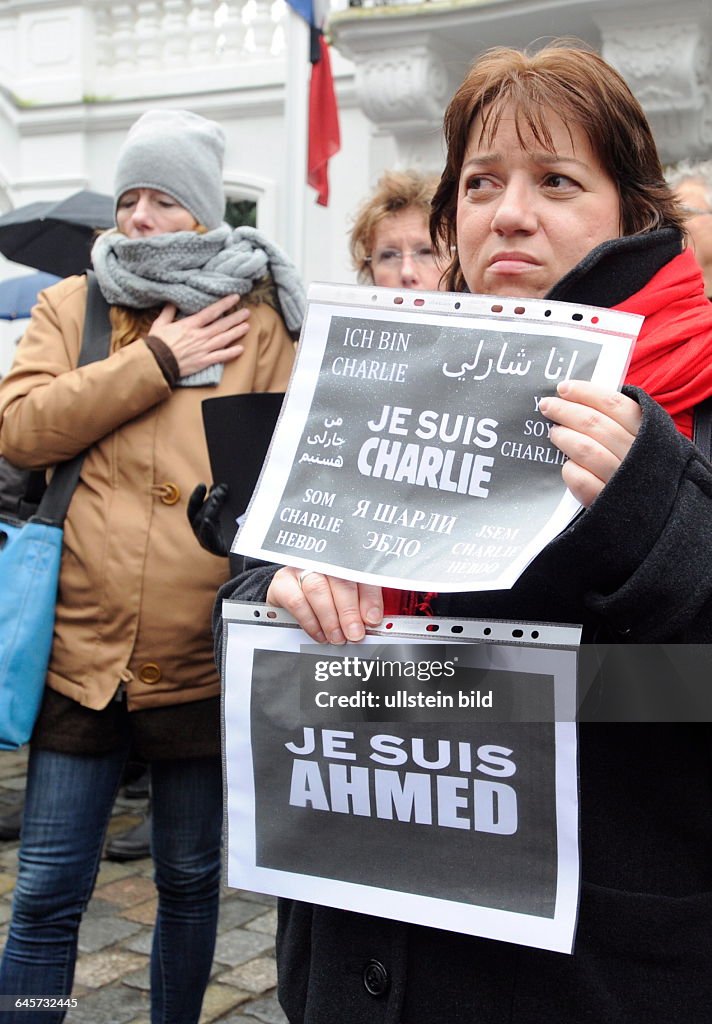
(129, 324)
(691, 170)
(396, 191)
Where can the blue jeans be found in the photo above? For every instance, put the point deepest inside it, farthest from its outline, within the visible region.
(67, 809)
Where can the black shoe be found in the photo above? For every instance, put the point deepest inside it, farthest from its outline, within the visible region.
(132, 845)
(11, 823)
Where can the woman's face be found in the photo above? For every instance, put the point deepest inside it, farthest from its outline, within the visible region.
(692, 193)
(526, 216)
(402, 253)
(142, 212)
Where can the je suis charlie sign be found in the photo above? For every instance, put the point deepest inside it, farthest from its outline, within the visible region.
(411, 451)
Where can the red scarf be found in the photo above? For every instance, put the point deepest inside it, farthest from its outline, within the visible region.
(406, 602)
(672, 359)
(672, 362)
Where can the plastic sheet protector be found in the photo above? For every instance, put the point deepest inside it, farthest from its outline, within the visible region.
(410, 450)
(422, 775)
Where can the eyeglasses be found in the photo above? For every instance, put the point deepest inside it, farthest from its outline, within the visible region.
(695, 211)
(393, 258)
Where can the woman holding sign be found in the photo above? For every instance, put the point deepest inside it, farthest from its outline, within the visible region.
(553, 188)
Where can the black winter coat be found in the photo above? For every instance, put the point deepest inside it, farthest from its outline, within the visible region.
(634, 568)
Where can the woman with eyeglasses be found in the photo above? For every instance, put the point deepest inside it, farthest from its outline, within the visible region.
(390, 239)
(553, 188)
(691, 182)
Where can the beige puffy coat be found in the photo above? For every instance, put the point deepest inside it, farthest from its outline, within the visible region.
(136, 589)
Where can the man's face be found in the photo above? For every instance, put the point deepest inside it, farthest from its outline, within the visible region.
(693, 195)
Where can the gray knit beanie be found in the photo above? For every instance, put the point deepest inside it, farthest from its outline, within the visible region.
(179, 153)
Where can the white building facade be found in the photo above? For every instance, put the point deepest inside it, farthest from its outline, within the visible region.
(75, 75)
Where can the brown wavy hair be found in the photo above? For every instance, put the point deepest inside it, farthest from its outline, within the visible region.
(396, 191)
(583, 90)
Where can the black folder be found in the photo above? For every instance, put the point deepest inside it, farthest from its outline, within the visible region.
(238, 429)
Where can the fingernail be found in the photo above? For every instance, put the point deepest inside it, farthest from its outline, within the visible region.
(337, 637)
(563, 388)
(320, 637)
(373, 615)
(355, 632)
(544, 404)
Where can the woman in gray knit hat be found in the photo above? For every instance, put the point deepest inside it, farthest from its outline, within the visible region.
(196, 310)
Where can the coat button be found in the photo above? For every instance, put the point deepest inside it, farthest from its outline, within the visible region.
(375, 978)
(149, 673)
(169, 493)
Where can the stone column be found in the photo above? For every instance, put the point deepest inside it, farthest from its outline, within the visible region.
(403, 90)
(665, 56)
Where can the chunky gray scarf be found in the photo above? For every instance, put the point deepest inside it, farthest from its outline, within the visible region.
(192, 270)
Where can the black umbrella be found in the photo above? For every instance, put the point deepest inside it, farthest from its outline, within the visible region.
(19, 294)
(57, 236)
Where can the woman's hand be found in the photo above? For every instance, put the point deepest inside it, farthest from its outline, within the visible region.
(329, 609)
(595, 428)
(204, 516)
(204, 338)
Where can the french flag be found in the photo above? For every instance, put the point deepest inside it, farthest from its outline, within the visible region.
(324, 136)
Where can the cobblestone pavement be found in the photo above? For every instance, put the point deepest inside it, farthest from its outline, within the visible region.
(111, 981)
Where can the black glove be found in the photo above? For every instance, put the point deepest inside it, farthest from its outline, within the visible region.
(204, 517)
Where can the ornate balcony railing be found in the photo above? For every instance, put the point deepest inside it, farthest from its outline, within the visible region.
(166, 34)
(94, 50)
(405, 57)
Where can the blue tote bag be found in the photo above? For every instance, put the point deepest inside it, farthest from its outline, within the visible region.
(30, 557)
